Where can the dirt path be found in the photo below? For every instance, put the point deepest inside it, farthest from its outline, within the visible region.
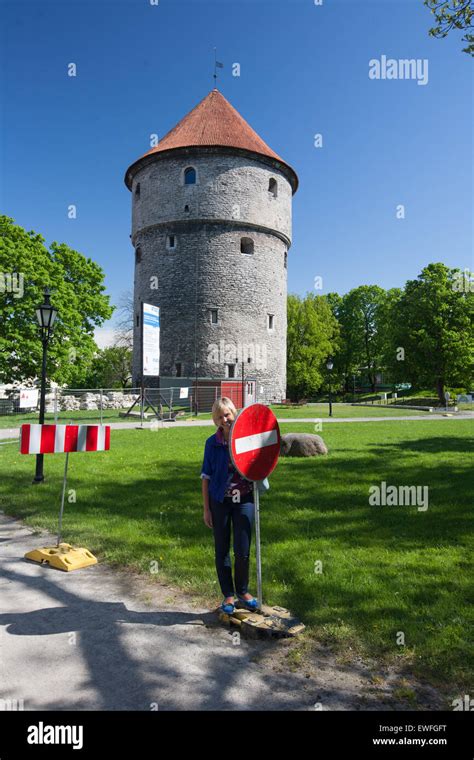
(104, 639)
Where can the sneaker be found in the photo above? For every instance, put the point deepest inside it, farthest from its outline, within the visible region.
(250, 604)
(227, 607)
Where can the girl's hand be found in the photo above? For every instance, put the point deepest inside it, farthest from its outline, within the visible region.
(208, 517)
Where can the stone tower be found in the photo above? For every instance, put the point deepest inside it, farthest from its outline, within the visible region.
(211, 229)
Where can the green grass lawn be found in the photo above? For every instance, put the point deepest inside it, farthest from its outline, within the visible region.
(318, 411)
(385, 569)
(342, 410)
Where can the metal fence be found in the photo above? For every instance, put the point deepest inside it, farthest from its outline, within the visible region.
(116, 404)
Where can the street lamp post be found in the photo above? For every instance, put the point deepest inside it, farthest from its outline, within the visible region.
(196, 367)
(46, 315)
(330, 365)
(243, 376)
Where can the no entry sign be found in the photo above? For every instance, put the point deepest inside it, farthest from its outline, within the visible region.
(254, 442)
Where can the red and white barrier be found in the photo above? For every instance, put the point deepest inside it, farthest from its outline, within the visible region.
(58, 439)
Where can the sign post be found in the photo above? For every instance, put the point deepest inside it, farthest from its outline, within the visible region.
(254, 446)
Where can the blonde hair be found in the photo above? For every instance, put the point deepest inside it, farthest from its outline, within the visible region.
(222, 403)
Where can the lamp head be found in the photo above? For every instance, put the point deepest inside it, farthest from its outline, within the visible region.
(46, 313)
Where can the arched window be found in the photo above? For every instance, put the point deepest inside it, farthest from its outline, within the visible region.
(190, 176)
(246, 245)
(138, 255)
(273, 187)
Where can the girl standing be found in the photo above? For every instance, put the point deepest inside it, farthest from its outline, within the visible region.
(228, 498)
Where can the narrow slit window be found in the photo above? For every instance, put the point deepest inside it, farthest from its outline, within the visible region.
(230, 370)
(171, 242)
(178, 369)
(138, 255)
(246, 245)
(270, 321)
(273, 187)
(214, 316)
(137, 190)
(285, 260)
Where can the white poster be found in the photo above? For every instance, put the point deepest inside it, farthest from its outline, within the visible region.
(183, 392)
(151, 339)
(28, 398)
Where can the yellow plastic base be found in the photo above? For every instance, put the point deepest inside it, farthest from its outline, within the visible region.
(62, 557)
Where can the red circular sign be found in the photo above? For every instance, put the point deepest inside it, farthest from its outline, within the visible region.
(254, 442)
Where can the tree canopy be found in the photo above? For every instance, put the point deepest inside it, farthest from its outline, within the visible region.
(313, 333)
(453, 14)
(433, 323)
(77, 292)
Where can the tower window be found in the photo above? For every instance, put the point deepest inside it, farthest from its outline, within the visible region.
(137, 190)
(138, 320)
(246, 245)
(285, 260)
(186, 209)
(171, 242)
(138, 255)
(190, 176)
(214, 317)
(273, 187)
(230, 370)
(178, 366)
(270, 321)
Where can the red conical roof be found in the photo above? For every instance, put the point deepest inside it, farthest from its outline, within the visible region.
(215, 122)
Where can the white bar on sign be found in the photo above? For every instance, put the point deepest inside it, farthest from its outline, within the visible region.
(59, 436)
(256, 441)
(35, 439)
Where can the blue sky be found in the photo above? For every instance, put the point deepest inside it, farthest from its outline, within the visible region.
(304, 70)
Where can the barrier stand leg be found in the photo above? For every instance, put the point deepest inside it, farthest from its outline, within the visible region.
(256, 499)
(62, 556)
(62, 498)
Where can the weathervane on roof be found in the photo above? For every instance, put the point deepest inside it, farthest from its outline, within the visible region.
(217, 65)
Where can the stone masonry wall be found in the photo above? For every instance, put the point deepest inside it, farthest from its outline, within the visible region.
(207, 270)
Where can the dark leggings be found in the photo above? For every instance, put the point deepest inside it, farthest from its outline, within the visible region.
(242, 517)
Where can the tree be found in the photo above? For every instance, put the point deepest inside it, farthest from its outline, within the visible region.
(312, 337)
(453, 14)
(110, 368)
(433, 329)
(76, 282)
(359, 314)
(124, 328)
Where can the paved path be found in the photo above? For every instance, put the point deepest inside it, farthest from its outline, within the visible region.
(106, 639)
(9, 433)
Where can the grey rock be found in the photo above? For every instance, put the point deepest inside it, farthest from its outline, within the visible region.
(302, 445)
